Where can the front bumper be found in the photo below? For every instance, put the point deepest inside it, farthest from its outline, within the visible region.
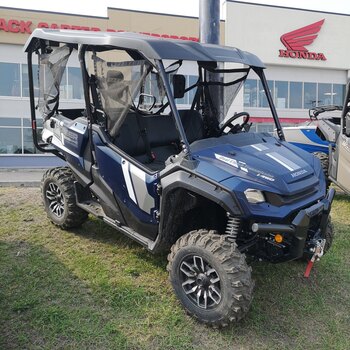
(298, 229)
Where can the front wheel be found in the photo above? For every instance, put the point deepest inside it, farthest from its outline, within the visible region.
(328, 235)
(210, 277)
(58, 192)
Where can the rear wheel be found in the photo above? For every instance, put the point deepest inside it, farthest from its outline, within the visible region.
(211, 277)
(324, 159)
(58, 192)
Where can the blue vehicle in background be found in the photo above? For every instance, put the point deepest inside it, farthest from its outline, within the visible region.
(307, 136)
(173, 165)
(321, 136)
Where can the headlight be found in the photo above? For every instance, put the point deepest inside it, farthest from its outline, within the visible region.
(254, 196)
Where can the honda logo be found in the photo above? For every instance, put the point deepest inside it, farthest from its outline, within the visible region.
(296, 41)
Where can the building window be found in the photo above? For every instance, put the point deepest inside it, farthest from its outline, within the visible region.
(192, 79)
(13, 81)
(265, 127)
(64, 86)
(16, 136)
(10, 79)
(10, 122)
(310, 99)
(10, 141)
(251, 93)
(75, 84)
(25, 80)
(295, 94)
(262, 96)
(71, 87)
(281, 94)
(324, 94)
(27, 123)
(338, 94)
(28, 144)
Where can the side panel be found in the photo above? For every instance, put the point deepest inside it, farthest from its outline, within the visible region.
(306, 139)
(135, 190)
(71, 138)
(343, 173)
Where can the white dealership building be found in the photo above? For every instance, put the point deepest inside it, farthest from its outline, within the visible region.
(305, 53)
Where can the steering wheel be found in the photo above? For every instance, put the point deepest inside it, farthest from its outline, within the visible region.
(236, 127)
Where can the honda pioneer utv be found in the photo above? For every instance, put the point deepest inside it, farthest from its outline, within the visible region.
(158, 151)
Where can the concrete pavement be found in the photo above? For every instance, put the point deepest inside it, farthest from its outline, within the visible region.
(21, 177)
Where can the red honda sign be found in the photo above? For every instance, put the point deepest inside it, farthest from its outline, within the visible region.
(296, 41)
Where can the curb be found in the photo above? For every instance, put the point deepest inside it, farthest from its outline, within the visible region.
(20, 184)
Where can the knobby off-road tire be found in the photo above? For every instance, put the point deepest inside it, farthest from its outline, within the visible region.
(204, 262)
(329, 235)
(324, 159)
(58, 193)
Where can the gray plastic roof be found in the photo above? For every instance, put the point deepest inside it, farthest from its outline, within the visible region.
(150, 47)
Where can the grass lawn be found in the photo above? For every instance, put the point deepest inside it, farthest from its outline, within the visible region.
(93, 288)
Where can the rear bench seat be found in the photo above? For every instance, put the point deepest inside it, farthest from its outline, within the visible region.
(161, 134)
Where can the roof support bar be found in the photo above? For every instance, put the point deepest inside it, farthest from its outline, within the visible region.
(176, 115)
(262, 77)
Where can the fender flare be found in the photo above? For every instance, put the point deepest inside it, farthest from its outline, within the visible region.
(191, 182)
(197, 185)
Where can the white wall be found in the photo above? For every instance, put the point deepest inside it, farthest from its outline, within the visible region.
(291, 73)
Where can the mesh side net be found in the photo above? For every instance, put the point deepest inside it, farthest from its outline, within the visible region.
(119, 85)
(229, 84)
(51, 70)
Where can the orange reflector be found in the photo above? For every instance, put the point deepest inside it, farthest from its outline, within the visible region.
(278, 238)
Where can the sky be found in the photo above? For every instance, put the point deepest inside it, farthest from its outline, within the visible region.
(179, 7)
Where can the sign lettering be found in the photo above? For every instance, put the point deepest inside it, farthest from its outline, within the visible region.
(25, 27)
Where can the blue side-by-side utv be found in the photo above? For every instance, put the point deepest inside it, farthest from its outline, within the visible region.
(159, 150)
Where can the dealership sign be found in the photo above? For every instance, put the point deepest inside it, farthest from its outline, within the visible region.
(25, 27)
(296, 41)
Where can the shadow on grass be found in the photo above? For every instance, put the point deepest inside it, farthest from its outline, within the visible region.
(343, 197)
(97, 230)
(44, 305)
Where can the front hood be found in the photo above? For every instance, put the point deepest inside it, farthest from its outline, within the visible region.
(275, 165)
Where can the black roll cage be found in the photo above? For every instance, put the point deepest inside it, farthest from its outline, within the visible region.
(43, 147)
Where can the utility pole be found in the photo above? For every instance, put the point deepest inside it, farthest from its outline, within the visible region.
(209, 21)
(209, 33)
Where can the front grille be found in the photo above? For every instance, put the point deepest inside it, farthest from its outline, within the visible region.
(279, 200)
